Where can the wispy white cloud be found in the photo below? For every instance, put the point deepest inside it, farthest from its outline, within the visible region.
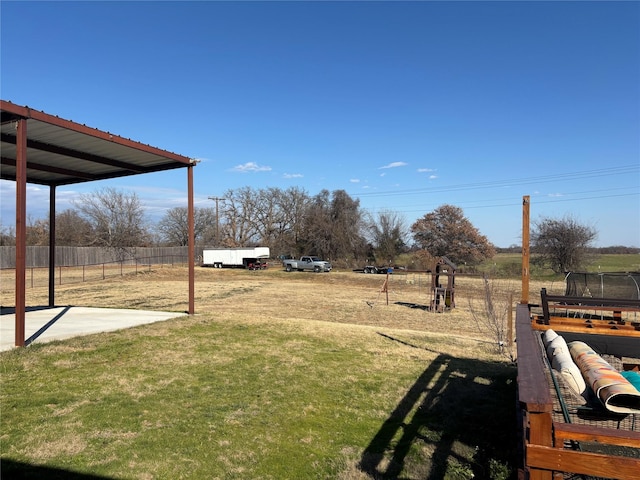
(250, 167)
(292, 175)
(433, 177)
(383, 174)
(426, 170)
(556, 195)
(354, 180)
(394, 165)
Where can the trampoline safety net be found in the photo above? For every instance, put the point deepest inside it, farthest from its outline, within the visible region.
(624, 286)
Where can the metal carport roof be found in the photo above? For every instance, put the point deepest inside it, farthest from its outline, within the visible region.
(61, 152)
(44, 149)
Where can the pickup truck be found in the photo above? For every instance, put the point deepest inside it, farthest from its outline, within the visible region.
(307, 263)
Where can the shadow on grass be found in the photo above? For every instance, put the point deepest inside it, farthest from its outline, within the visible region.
(11, 469)
(413, 305)
(455, 407)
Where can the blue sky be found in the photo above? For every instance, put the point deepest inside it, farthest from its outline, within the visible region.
(405, 105)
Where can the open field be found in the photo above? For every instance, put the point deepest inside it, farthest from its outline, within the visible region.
(510, 264)
(341, 296)
(278, 375)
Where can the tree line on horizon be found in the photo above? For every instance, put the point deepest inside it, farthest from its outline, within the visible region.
(289, 221)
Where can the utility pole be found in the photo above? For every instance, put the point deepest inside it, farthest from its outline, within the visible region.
(525, 248)
(217, 199)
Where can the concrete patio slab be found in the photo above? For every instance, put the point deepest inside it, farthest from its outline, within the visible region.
(43, 324)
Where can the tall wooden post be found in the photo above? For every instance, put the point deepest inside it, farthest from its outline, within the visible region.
(217, 199)
(386, 287)
(21, 228)
(525, 250)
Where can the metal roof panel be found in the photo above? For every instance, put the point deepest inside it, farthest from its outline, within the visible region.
(61, 152)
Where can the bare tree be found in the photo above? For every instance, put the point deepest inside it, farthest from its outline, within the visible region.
(332, 226)
(388, 233)
(277, 214)
(492, 317)
(117, 219)
(316, 237)
(267, 217)
(447, 232)
(173, 227)
(561, 243)
(292, 205)
(347, 227)
(7, 236)
(72, 230)
(37, 231)
(238, 213)
(270, 217)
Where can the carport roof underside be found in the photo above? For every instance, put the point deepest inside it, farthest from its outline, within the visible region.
(62, 152)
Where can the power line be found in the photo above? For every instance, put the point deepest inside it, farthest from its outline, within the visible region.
(519, 203)
(622, 170)
(510, 198)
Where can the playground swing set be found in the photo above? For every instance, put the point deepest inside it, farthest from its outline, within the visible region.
(442, 291)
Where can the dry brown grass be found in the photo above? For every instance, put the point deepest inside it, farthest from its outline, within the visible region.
(337, 297)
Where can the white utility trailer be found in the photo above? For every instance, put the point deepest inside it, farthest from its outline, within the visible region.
(253, 258)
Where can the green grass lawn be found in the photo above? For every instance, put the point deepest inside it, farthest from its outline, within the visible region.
(616, 263)
(259, 385)
(206, 397)
(510, 265)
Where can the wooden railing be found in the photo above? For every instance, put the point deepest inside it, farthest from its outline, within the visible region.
(546, 443)
(598, 315)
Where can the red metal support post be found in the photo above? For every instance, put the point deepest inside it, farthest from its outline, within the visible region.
(191, 248)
